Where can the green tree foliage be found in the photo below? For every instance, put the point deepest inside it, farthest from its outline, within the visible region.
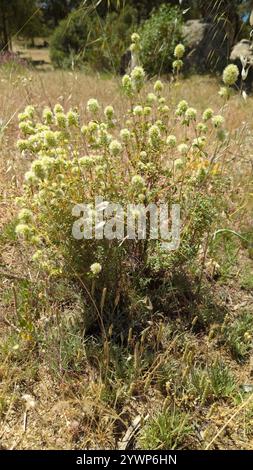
(56, 10)
(86, 38)
(18, 16)
(71, 39)
(159, 36)
(118, 27)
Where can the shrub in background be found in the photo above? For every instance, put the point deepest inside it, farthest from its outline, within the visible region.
(72, 39)
(159, 35)
(118, 26)
(83, 38)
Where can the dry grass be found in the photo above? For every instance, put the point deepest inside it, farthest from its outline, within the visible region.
(91, 404)
(37, 55)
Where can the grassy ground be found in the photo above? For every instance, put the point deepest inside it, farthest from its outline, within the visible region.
(38, 55)
(184, 379)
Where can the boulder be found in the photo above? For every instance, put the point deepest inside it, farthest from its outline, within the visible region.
(244, 49)
(128, 62)
(207, 45)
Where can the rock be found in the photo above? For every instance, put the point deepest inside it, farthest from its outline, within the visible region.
(244, 49)
(207, 45)
(206, 48)
(247, 388)
(193, 32)
(128, 62)
(125, 62)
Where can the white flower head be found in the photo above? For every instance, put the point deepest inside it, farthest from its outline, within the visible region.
(115, 147)
(158, 86)
(29, 401)
(179, 51)
(93, 106)
(138, 110)
(171, 141)
(109, 112)
(230, 74)
(183, 149)
(96, 268)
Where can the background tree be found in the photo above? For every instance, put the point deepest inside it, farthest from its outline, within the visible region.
(56, 10)
(160, 33)
(16, 16)
(86, 39)
(30, 17)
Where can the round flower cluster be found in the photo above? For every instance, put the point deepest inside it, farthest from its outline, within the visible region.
(93, 106)
(154, 135)
(109, 112)
(61, 120)
(151, 98)
(147, 110)
(207, 114)
(179, 51)
(135, 46)
(177, 65)
(47, 116)
(183, 149)
(115, 147)
(178, 163)
(28, 114)
(25, 231)
(171, 141)
(58, 108)
(95, 269)
(202, 128)
(138, 77)
(72, 118)
(224, 92)
(138, 110)
(27, 128)
(25, 216)
(199, 142)
(218, 121)
(135, 37)
(190, 115)
(127, 85)
(181, 108)
(230, 74)
(138, 182)
(158, 86)
(125, 135)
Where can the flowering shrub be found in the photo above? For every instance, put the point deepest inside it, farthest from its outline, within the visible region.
(154, 154)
